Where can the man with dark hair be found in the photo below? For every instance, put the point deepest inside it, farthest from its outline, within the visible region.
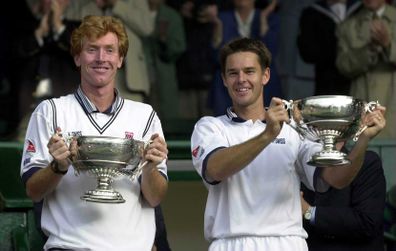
(253, 162)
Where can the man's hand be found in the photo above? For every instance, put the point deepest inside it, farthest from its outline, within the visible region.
(379, 33)
(59, 150)
(275, 116)
(157, 151)
(375, 122)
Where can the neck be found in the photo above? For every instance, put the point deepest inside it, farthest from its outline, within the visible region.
(102, 97)
(244, 12)
(253, 112)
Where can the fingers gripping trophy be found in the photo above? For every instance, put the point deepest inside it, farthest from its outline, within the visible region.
(328, 119)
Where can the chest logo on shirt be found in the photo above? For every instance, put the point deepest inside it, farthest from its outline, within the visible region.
(129, 135)
(197, 152)
(30, 147)
(74, 134)
(281, 141)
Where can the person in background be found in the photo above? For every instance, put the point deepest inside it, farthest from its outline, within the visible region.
(195, 77)
(41, 53)
(390, 219)
(317, 43)
(367, 56)
(244, 20)
(98, 46)
(252, 162)
(163, 48)
(296, 76)
(351, 218)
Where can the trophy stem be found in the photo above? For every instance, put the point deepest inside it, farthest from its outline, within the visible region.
(104, 183)
(329, 156)
(329, 143)
(104, 192)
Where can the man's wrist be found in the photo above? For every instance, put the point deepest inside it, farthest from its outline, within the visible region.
(54, 165)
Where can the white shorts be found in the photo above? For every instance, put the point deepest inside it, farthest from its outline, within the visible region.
(253, 243)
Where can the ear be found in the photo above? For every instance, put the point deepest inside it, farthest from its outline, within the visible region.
(223, 78)
(266, 76)
(121, 60)
(77, 60)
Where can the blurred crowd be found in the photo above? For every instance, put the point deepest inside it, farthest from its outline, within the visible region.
(173, 60)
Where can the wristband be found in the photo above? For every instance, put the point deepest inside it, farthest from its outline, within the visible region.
(55, 168)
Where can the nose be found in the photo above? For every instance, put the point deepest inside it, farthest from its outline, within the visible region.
(241, 77)
(100, 55)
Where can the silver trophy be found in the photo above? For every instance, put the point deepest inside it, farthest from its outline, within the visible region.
(328, 119)
(107, 158)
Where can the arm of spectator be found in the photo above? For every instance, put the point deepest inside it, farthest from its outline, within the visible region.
(172, 41)
(264, 14)
(382, 37)
(210, 14)
(353, 61)
(136, 16)
(363, 218)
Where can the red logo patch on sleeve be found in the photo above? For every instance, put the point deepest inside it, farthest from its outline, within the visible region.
(195, 151)
(30, 147)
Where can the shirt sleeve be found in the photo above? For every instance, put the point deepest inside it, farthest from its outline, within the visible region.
(41, 127)
(208, 136)
(310, 175)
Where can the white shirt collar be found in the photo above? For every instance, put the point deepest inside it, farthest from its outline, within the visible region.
(244, 27)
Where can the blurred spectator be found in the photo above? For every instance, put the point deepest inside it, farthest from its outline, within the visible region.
(8, 91)
(367, 55)
(351, 218)
(41, 54)
(390, 219)
(296, 76)
(317, 42)
(195, 67)
(163, 48)
(132, 80)
(243, 21)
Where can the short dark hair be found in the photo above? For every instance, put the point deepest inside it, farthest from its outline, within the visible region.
(245, 45)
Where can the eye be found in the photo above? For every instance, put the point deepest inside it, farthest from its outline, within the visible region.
(91, 49)
(232, 73)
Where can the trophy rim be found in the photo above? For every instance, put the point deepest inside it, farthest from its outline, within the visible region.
(330, 96)
(82, 137)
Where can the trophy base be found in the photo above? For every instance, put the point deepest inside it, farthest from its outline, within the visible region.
(328, 159)
(103, 196)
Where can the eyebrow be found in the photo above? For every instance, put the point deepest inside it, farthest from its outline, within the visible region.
(244, 69)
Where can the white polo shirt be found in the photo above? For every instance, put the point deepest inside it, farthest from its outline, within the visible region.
(263, 199)
(70, 222)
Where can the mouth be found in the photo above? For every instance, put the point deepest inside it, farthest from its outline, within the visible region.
(242, 90)
(100, 68)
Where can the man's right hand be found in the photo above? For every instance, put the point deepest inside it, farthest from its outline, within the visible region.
(275, 116)
(59, 150)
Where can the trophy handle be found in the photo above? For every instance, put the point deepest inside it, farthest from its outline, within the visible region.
(138, 170)
(368, 108)
(289, 106)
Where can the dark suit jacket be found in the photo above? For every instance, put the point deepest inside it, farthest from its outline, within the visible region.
(350, 218)
(317, 44)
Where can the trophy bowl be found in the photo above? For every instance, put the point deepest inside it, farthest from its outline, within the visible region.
(328, 119)
(106, 158)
